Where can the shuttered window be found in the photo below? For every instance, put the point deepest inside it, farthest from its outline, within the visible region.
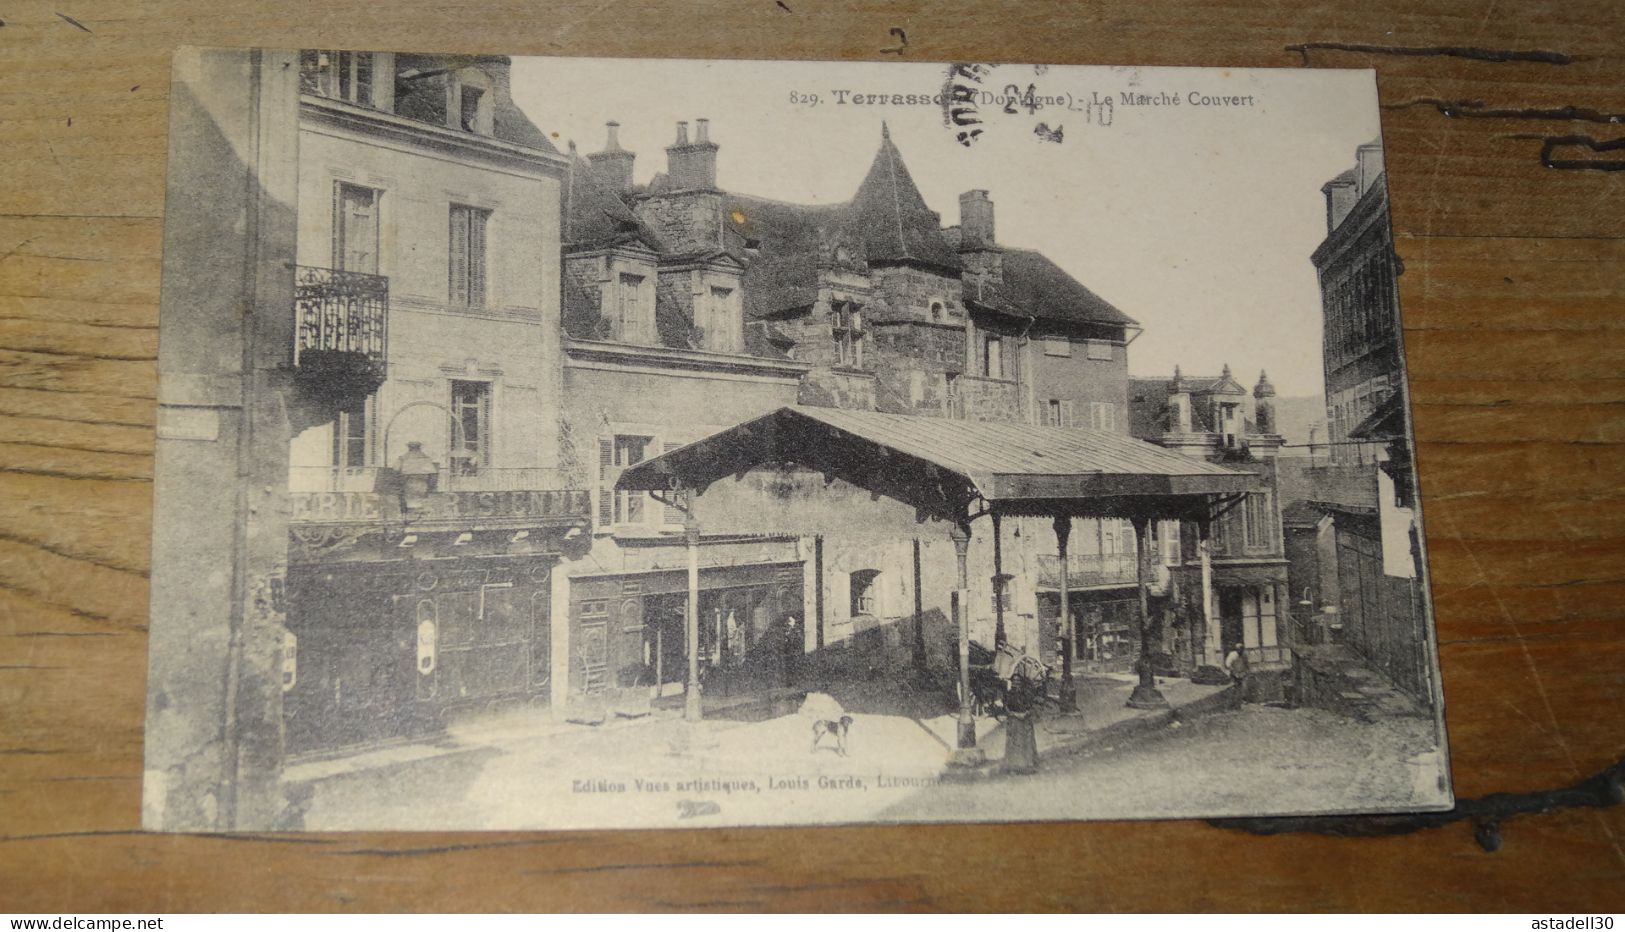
(355, 228)
(623, 509)
(466, 269)
(1102, 415)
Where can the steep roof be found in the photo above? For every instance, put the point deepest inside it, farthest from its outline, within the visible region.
(1034, 286)
(420, 94)
(889, 217)
(591, 216)
(788, 241)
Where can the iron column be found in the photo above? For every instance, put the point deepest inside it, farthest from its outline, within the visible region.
(1145, 694)
(1069, 691)
(691, 692)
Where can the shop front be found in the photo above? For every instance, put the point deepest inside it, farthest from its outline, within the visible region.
(399, 619)
(627, 632)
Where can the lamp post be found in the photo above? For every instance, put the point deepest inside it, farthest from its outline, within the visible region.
(967, 753)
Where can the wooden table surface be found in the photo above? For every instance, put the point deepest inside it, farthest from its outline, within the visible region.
(1504, 142)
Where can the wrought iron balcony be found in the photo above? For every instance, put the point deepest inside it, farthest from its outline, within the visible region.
(485, 479)
(341, 333)
(1087, 570)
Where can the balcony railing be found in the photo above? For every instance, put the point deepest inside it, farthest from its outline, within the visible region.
(341, 333)
(1084, 570)
(365, 479)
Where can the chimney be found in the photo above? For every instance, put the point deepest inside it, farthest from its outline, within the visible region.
(1369, 159)
(1179, 404)
(612, 167)
(975, 220)
(1341, 194)
(692, 166)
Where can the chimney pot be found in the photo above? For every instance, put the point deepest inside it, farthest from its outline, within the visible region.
(682, 132)
(613, 138)
(702, 130)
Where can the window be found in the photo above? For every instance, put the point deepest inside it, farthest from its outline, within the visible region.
(633, 322)
(916, 387)
(467, 266)
(936, 310)
(1001, 592)
(1168, 540)
(355, 228)
(1100, 350)
(1102, 415)
(1057, 346)
(1052, 413)
(471, 99)
(720, 327)
(846, 322)
(865, 591)
(351, 440)
(1258, 520)
(630, 508)
(992, 356)
(336, 74)
(470, 426)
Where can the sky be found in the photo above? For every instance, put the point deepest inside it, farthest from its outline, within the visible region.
(1196, 219)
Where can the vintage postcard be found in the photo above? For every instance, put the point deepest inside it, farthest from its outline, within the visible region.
(560, 443)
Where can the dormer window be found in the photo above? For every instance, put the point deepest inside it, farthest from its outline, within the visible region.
(473, 98)
(468, 102)
(337, 74)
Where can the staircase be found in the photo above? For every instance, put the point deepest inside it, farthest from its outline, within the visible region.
(1335, 678)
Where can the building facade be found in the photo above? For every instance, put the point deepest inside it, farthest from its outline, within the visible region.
(1241, 556)
(428, 506)
(689, 308)
(1369, 573)
(1360, 303)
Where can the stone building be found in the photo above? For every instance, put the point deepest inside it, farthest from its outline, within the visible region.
(1241, 556)
(688, 308)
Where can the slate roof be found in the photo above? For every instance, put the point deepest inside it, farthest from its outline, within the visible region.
(1034, 286)
(591, 216)
(788, 241)
(418, 97)
(890, 219)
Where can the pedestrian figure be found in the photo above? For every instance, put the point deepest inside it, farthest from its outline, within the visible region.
(1020, 735)
(1236, 663)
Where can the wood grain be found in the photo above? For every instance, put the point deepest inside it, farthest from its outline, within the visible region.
(1513, 290)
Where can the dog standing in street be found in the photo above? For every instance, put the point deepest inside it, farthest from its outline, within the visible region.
(838, 728)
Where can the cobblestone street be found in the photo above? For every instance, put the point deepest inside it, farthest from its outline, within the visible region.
(1223, 764)
(523, 775)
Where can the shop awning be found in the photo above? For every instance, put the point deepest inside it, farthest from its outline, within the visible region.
(942, 466)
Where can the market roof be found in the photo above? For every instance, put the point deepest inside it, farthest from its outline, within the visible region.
(941, 464)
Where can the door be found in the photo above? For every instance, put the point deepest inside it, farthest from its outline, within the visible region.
(1230, 619)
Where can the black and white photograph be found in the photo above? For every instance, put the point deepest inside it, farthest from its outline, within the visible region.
(571, 443)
